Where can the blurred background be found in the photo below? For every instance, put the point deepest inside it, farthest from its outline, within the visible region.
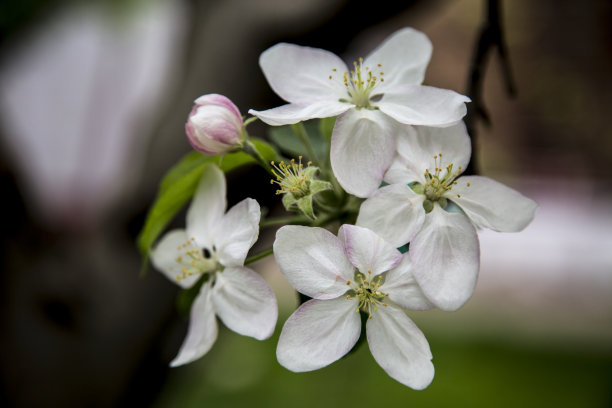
(93, 100)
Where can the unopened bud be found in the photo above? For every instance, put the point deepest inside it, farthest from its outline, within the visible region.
(214, 125)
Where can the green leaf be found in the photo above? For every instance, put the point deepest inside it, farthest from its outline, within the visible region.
(175, 190)
(288, 142)
(188, 163)
(179, 184)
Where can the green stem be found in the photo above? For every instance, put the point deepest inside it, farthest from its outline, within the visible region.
(249, 121)
(250, 149)
(258, 256)
(292, 219)
(300, 132)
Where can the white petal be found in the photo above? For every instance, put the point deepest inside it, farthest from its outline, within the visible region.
(301, 74)
(417, 146)
(394, 212)
(207, 206)
(445, 257)
(313, 260)
(362, 148)
(202, 331)
(165, 254)
(492, 205)
(403, 57)
(245, 303)
(318, 333)
(403, 288)
(236, 232)
(424, 105)
(400, 348)
(294, 113)
(368, 251)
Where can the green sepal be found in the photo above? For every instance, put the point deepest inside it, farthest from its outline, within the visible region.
(288, 201)
(305, 205)
(310, 172)
(316, 186)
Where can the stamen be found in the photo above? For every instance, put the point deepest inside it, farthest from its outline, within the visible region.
(291, 177)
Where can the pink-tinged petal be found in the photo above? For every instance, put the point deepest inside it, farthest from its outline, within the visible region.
(318, 333)
(403, 58)
(164, 257)
(367, 251)
(202, 331)
(400, 348)
(424, 105)
(362, 148)
(445, 257)
(394, 212)
(207, 206)
(417, 146)
(245, 303)
(236, 232)
(302, 74)
(403, 289)
(207, 145)
(219, 100)
(313, 260)
(214, 125)
(492, 205)
(294, 113)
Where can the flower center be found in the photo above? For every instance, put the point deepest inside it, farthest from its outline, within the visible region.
(292, 178)
(359, 83)
(437, 183)
(195, 260)
(367, 290)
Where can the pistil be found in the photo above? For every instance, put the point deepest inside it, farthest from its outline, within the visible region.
(367, 290)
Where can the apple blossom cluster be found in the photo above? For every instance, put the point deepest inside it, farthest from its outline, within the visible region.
(384, 221)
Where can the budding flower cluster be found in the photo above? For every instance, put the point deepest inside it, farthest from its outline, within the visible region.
(214, 125)
(298, 185)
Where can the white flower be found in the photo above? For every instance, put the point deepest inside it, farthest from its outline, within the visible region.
(216, 244)
(417, 207)
(355, 271)
(377, 92)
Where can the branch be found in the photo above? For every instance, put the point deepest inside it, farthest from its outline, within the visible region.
(491, 36)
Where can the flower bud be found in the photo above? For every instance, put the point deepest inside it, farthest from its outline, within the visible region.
(214, 125)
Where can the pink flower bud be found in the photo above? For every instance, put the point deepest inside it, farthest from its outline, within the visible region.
(214, 125)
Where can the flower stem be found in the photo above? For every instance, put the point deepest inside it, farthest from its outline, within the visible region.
(300, 132)
(258, 256)
(292, 219)
(250, 149)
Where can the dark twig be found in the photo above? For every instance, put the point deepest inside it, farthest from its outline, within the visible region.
(491, 36)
